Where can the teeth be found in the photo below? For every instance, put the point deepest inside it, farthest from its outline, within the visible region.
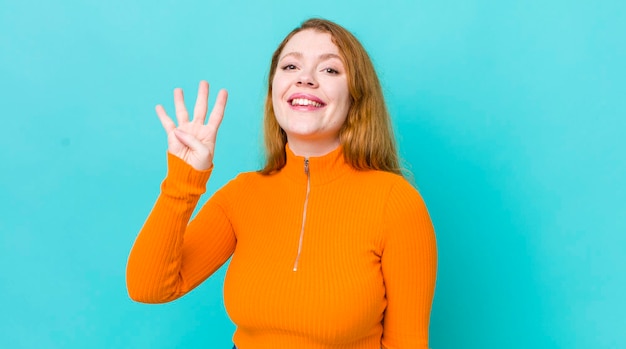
(305, 102)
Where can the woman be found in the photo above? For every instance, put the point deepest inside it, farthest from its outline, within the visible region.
(331, 247)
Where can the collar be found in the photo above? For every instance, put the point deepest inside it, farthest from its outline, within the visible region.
(323, 169)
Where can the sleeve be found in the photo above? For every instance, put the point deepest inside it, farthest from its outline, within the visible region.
(171, 256)
(409, 266)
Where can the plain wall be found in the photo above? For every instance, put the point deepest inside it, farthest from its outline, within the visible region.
(510, 114)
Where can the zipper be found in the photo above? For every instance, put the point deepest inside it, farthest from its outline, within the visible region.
(306, 202)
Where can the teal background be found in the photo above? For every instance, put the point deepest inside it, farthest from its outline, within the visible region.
(511, 115)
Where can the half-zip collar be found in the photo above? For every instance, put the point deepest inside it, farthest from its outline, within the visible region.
(322, 169)
(310, 172)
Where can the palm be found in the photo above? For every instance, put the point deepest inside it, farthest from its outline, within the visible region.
(192, 140)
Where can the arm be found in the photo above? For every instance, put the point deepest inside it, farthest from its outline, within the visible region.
(170, 258)
(409, 266)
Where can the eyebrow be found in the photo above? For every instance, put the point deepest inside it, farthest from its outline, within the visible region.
(323, 57)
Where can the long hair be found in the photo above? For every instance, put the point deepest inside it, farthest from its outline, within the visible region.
(367, 134)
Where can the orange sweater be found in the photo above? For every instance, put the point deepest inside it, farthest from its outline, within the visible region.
(362, 240)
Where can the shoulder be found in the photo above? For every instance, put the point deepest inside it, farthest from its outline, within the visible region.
(389, 191)
(241, 179)
(392, 183)
(401, 198)
(248, 176)
(406, 220)
(244, 183)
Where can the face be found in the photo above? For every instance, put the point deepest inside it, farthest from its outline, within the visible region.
(310, 90)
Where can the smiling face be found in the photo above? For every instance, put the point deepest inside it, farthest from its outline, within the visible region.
(310, 93)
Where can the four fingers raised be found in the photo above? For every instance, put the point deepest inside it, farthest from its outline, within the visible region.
(200, 109)
(193, 140)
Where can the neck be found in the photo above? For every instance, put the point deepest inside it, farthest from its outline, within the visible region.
(308, 148)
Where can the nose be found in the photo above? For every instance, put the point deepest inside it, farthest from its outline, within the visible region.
(306, 79)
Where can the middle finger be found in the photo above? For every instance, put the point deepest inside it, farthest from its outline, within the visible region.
(200, 110)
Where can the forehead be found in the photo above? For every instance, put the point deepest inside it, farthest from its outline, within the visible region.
(310, 42)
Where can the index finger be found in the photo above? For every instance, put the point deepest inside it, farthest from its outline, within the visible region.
(179, 104)
(166, 121)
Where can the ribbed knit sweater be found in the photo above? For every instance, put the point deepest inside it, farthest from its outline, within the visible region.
(323, 256)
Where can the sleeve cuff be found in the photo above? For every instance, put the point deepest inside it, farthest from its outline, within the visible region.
(183, 179)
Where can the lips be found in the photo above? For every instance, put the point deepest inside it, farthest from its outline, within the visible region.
(306, 101)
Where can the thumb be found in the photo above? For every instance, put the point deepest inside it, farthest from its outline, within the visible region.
(188, 140)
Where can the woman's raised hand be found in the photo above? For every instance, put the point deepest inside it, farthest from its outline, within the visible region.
(192, 140)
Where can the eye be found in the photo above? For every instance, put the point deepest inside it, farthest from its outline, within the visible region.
(331, 71)
(289, 67)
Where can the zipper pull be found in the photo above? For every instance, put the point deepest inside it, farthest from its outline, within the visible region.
(306, 166)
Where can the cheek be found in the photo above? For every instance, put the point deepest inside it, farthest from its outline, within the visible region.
(343, 94)
(275, 95)
(279, 82)
(278, 91)
(345, 101)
